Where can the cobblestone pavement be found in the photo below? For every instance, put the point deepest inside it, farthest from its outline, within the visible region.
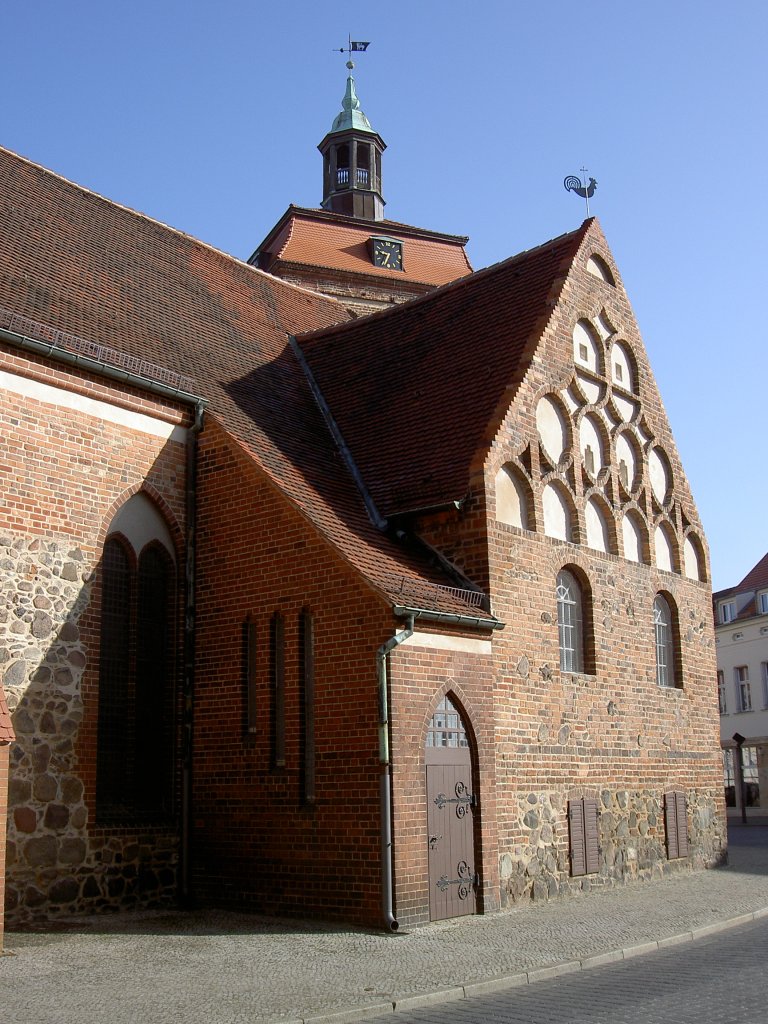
(673, 984)
(226, 968)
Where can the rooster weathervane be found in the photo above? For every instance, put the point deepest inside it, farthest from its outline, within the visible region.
(581, 188)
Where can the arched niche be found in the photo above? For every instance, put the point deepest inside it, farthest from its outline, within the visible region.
(140, 523)
(597, 525)
(597, 267)
(623, 371)
(628, 461)
(586, 347)
(557, 509)
(513, 498)
(660, 474)
(693, 558)
(552, 425)
(592, 444)
(665, 547)
(634, 537)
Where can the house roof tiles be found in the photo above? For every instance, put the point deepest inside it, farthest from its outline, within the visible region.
(318, 239)
(417, 390)
(76, 262)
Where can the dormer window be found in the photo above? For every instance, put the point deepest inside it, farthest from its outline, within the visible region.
(762, 603)
(727, 612)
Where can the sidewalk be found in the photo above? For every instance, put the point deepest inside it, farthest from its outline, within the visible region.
(225, 968)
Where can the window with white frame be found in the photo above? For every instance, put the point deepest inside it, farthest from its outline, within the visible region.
(727, 612)
(743, 691)
(665, 644)
(570, 622)
(721, 693)
(764, 668)
(762, 603)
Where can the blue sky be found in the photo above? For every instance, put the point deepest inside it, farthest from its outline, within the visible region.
(207, 115)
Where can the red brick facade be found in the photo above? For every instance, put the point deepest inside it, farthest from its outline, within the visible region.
(436, 465)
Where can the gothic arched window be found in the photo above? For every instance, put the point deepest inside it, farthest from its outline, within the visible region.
(135, 743)
(663, 624)
(570, 622)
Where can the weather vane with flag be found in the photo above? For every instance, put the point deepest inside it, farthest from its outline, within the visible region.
(353, 46)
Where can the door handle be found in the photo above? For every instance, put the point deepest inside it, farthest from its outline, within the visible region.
(433, 841)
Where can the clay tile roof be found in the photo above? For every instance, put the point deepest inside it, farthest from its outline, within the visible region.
(6, 727)
(81, 264)
(756, 578)
(418, 389)
(341, 243)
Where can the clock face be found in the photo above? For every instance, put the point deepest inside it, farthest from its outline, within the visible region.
(387, 253)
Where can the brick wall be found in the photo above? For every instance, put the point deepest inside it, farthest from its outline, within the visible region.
(257, 842)
(544, 736)
(68, 465)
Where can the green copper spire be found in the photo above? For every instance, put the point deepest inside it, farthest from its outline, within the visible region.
(351, 115)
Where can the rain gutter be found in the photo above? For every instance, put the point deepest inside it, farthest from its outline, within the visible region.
(385, 780)
(450, 618)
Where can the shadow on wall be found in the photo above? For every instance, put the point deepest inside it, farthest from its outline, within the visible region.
(59, 861)
(46, 589)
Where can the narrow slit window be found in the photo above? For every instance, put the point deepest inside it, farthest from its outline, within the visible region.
(278, 689)
(250, 639)
(307, 667)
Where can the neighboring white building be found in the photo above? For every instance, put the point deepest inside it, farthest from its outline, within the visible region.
(741, 629)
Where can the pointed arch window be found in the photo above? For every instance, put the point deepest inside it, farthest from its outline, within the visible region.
(446, 728)
(136, 700)
(663, 624)
(570, 622)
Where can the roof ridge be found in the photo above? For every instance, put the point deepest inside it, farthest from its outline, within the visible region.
(139, 215)
(460, 282)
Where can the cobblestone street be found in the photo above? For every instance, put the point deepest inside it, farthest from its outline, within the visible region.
(225, 968)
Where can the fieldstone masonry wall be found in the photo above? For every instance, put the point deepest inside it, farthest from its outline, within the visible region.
(57, 862)
(632, 842)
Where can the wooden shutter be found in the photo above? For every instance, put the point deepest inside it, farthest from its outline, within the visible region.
(670, 825)
(585, 847)
(681, 814)
(591, 845)
(676, 824)
(576, 827)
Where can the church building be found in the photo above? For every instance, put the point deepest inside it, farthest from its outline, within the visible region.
(344, 582)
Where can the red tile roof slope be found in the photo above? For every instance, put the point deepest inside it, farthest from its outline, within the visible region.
(417, 390)
(756, 578)
(7, 734)
(79, 263)
(320, 241)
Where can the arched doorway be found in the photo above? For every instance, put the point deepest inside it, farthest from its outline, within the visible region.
(450, 813)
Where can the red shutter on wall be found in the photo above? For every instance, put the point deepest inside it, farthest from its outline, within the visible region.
(585, 849)
(676, 824)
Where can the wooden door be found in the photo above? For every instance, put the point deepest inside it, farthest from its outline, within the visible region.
(450, 816)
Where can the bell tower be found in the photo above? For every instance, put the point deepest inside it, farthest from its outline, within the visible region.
(352, 161)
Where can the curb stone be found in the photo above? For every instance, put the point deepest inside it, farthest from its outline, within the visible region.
(479, 988)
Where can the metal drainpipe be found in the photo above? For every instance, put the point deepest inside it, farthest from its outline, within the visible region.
(385, 782)
(189, 649)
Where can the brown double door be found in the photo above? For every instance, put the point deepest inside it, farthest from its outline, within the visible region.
(450, 832)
